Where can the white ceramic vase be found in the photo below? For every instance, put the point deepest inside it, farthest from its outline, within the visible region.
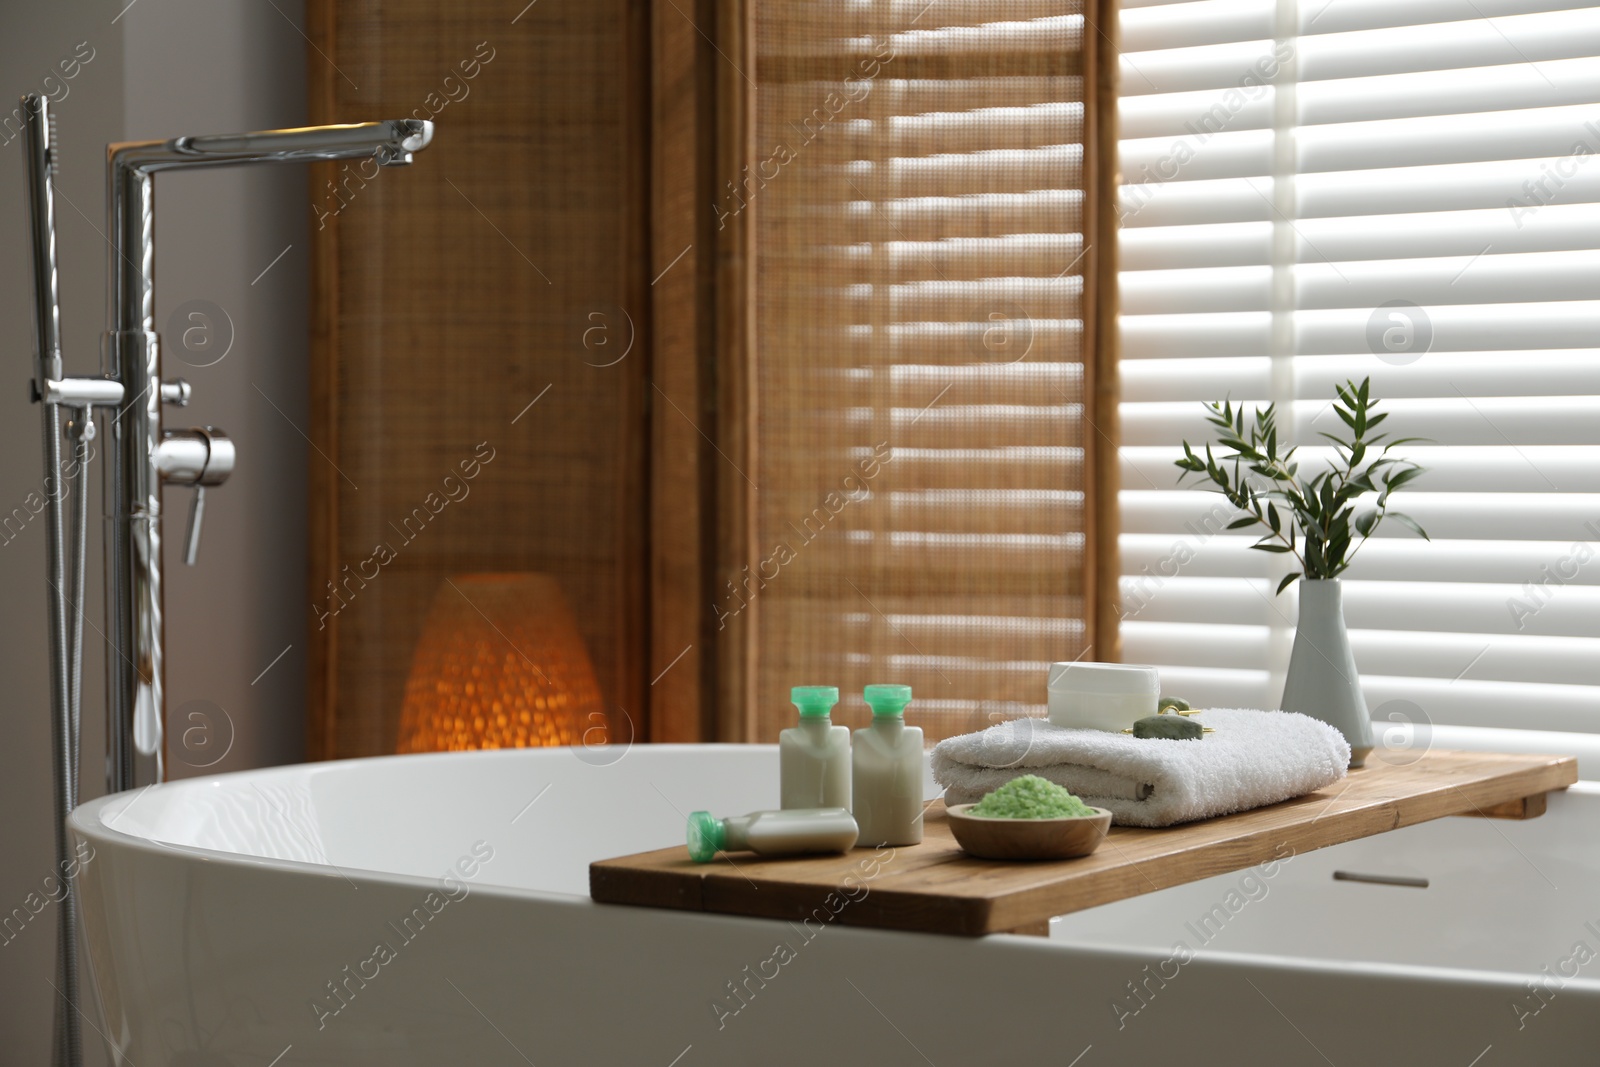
(1322, 680)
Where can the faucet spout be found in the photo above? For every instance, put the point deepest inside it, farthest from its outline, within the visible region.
(391, 143)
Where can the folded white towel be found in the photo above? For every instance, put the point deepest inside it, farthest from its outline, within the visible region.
(1253, 758)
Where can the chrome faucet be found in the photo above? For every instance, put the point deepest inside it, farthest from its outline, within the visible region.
(143, 455)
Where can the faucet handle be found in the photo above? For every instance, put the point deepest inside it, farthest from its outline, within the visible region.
(201, 457)
(191, 533)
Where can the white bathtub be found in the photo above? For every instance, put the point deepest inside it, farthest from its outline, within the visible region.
(222, 913)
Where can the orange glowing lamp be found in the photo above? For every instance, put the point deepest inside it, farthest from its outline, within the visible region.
(500, 664)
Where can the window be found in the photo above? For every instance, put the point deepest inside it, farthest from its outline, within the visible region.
(1331, 189)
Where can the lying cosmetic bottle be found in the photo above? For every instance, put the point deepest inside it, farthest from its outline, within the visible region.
(771, 833)
(886, 776)
(814, 757)
(1102, 696)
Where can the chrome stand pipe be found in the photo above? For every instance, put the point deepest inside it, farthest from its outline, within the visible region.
(143, 457)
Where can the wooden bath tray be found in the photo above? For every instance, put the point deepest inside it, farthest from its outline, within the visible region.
(934, 887)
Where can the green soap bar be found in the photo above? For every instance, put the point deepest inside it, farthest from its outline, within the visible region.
(1175, 703)
(1175, 727)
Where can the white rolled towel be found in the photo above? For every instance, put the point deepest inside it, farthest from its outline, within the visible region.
(1254, 758)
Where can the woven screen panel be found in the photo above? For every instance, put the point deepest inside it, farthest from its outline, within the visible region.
(916, 189)
(469, 427)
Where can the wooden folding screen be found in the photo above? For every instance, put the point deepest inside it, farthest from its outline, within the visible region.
(865, 428)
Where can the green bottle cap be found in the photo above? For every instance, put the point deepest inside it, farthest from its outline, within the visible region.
(887, 699)
(814, 699)
(706, 836)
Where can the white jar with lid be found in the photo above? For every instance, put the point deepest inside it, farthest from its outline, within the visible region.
(1102, 696)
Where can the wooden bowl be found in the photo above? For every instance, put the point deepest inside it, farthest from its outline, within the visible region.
(1028, 839)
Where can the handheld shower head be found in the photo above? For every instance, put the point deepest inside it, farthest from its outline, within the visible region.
(40, 156)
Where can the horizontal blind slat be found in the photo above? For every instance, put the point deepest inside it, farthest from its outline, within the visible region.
(1151, 558)
(1466, 40)
(1441, 657)
(1482, 469)
(1479, 516)
(1456, 375)
(1195, 115)
(1175, 201)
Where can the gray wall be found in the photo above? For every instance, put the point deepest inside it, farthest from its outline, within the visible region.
(164, 67)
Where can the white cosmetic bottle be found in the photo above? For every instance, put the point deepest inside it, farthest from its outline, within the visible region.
(771, 833)
(814, 757)
(886, 788)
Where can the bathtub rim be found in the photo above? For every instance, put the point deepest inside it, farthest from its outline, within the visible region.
(90, 818)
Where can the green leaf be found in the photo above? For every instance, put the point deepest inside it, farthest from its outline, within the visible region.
(1241, 523)
(1261, 546)
(1399, 478)
(1288, 580)
(1409, 523)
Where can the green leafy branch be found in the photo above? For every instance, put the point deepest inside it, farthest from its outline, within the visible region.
(1314, 519)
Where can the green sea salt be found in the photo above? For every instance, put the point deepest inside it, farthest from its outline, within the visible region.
(1030, 797)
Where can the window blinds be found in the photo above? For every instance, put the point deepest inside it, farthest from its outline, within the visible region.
(918, 365)
(1318, 190)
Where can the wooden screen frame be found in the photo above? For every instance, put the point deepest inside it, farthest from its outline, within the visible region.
(700, 343)
(1103, 394)
(322, 562)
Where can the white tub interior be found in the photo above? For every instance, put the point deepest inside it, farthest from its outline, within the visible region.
(547, 813)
